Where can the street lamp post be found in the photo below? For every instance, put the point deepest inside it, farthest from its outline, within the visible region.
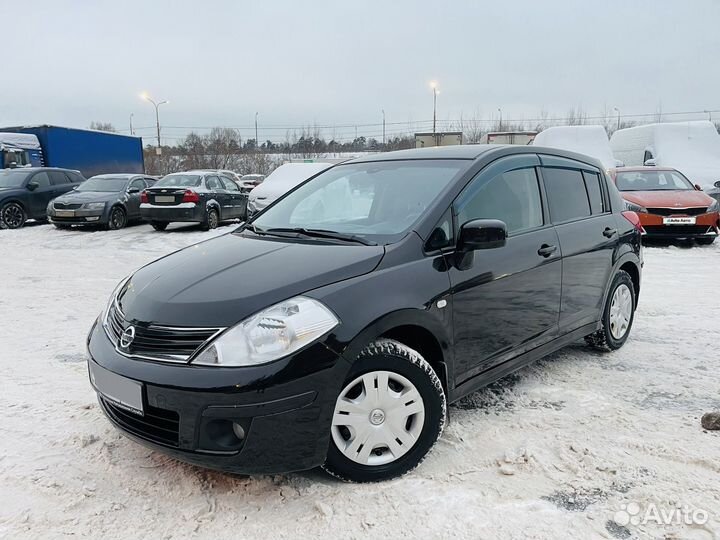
(617, 111)
(435, 92)
(383, 113)
(257, 143)
(500, 124)
(132, 131)
(146, 97)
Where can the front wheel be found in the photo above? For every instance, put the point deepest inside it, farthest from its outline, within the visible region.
(389, 413)
(12, 216)
(618, 315)
(117, 219)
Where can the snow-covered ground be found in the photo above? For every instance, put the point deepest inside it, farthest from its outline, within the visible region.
(554, 451)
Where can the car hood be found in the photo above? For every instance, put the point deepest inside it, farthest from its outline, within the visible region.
(224, 280)
(88, 196)
(668, 199)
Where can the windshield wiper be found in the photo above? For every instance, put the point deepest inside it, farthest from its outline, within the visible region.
(320, 233)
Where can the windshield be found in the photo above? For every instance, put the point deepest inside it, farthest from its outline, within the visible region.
(652, 181)
(179, 180)
(103, 184)
(10, 178)
(363, 199)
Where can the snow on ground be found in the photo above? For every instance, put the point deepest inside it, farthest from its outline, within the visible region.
(553, 451)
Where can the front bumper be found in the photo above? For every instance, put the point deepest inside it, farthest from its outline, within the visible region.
(284, 408)
(705, 226)
(78, 217)
(179, 212)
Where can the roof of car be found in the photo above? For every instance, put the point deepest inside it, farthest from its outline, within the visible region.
(463, 151)
(118, 175)
(643, 168)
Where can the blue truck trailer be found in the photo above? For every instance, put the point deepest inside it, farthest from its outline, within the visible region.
(88, 151)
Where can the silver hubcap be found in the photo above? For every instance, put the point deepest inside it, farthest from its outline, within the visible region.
(378, 418)
(620, 311)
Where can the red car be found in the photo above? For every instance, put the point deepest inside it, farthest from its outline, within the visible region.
(669, 205)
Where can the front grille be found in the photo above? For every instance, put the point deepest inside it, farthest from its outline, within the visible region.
(676, 230)
(677, 211)
(66, 206)
(157, 425)
(155, 342)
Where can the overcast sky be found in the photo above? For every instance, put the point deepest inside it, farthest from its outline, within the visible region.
(335, 62)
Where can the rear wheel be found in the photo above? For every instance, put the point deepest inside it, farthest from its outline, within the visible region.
(389, 413)
(117, 219)
(13, 216)
(618, 315)
(159, 225)
(211, 219)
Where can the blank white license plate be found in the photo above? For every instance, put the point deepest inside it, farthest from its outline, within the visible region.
(65, 213)
(125, 393)
(164, 198)
(679, 221)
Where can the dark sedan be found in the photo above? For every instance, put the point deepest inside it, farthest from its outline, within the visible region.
(25, 193)
(203, 197)
(107, 200)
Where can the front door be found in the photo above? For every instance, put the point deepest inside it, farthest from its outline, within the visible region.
(43, 193)
(507, 301)
(133, 197)
(237, 199)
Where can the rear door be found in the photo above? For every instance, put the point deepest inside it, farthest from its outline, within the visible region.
(133, 197)
(43, 193)
(220, 194)
(60, 181)
(507, 301)
(238, 201)
(580, 210)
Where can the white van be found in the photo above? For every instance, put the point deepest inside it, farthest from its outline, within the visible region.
(279, 182)
(589, 140)
(691, 147)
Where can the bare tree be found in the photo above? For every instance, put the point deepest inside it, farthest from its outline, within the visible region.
(102, 126)
(576, 117)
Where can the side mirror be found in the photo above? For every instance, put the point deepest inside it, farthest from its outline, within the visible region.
(698, 187)
(482, 234)
(717, 184)
(650, 162)
(133, 190)
(32, 186)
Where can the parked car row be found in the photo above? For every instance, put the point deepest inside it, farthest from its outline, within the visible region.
(65, 198)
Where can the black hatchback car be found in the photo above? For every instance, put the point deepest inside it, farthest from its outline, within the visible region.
(108, 200)
(338, 337)
(26, 192)
(204, 197)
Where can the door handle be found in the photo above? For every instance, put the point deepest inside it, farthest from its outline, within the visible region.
(608, 232)
(546, 250)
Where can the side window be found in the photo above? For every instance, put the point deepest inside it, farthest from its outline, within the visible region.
(58, 178)
(442, 235)
(512, 196)
(138, 183)
(566, 193)
(150, 181)
(212, 182)
(41, 179)
(592, 183)
(229, 184)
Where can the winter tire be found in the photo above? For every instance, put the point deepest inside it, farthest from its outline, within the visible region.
(389, 413)
(117, 219)
(211, 220)
(618, 315)
(13, 216)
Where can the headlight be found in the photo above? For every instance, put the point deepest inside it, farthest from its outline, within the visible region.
(714, 207)
(270, 334)
(94, 206)
(635, 207)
